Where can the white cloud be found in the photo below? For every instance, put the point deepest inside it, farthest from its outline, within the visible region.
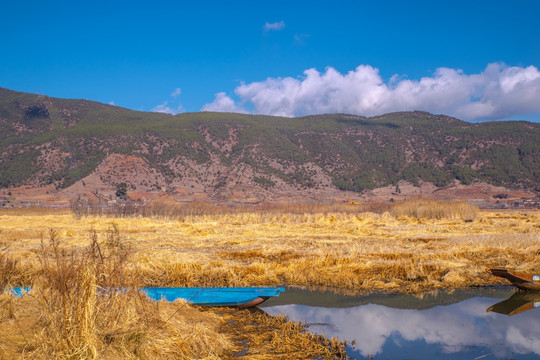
(163, 108)
(498, 92)
(223, 103)
(111, 102)
(300, 38)
(276, 26)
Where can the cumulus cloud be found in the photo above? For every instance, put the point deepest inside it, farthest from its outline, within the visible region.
(498, 92)
(223, 103)
(164, 108)
(275, 26)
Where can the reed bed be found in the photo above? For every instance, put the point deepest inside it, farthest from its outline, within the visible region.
(405, 247)
(432, 209)
(447, 247)
(69, 315)
(166, 208)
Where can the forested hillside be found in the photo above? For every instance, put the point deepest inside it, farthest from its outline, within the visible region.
(57, 141)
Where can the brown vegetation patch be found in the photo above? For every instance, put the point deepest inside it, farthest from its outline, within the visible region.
(260, 336)
(131, 169)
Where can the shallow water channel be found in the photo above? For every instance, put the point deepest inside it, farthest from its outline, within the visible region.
(484, 323)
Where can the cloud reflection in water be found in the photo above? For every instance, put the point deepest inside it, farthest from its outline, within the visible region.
(454, 328)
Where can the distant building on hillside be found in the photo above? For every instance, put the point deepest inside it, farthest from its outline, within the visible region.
(27, 204)
(528, 203)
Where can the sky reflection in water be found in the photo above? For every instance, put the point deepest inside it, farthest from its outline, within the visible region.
(463, 330)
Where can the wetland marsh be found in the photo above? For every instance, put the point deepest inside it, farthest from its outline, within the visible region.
(348, 251)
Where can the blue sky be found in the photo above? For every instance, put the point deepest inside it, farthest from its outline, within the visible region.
(476, 60)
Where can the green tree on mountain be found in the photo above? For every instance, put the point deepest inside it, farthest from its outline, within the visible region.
(121, 191)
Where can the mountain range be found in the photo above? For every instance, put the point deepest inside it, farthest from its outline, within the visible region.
(79, 146)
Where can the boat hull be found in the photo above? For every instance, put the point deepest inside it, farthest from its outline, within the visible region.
(220, 296)
(244, 297)
(519, 280)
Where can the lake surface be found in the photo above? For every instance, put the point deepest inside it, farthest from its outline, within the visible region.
(486, 323)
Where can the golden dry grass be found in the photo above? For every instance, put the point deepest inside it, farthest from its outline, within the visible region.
(353, 252)
(404, 249)
(432, 209)
(67, 316)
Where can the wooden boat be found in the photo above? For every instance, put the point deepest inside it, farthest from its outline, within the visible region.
(519, 280)
(517, 303)
(244, 297)
(215, 296)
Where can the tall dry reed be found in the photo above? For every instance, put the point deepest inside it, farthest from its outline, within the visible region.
(170, 209)
(75, 312)
(8, 270)
(432, 209)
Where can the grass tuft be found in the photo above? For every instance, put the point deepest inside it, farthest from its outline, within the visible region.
(8, 270)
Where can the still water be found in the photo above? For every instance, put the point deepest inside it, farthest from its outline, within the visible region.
(488, 323)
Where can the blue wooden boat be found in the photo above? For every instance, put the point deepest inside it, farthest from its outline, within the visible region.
(20, 291)
(203, 296)
(215, 296)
